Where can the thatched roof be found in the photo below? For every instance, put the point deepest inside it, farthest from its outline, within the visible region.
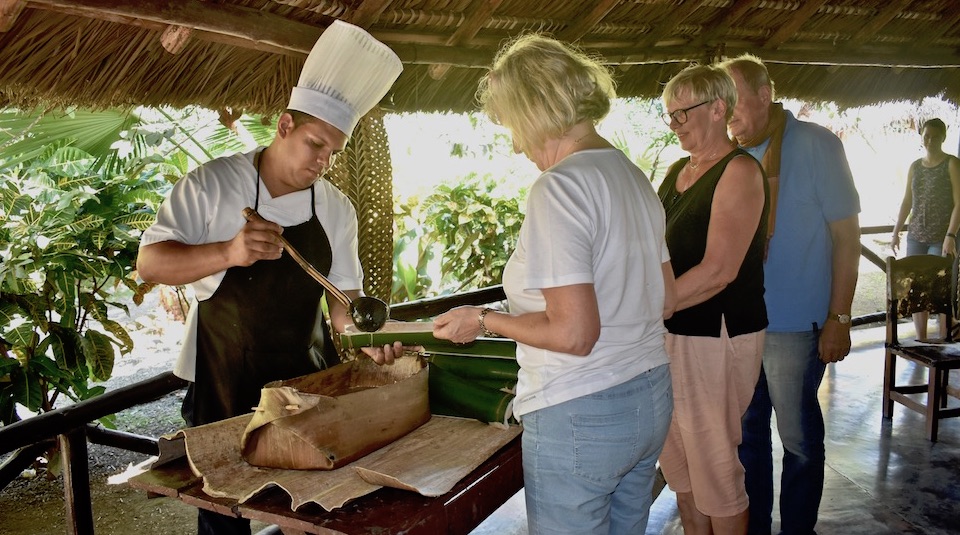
(246, 54)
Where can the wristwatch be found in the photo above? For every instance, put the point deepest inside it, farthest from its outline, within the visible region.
(842, 319)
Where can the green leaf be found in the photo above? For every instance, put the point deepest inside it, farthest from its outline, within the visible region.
(26, 389)
(117, 330)
(8, 312)
(139, 221)
(7, 365)
(46, 367)
(92, 132)
(100, 354)
(22, 335)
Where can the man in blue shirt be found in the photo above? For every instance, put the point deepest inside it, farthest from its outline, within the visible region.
(813, 252)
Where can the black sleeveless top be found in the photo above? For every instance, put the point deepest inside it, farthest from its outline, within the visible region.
(688, 218)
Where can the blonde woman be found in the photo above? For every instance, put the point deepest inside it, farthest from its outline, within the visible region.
(588, 286)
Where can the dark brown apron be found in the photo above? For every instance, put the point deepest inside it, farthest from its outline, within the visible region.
(257, 327)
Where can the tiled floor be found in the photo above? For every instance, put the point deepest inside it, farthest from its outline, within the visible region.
(882, 477)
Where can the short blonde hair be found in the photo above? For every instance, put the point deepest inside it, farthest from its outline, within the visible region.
(752, 70)
(540, 87)
(703, 83)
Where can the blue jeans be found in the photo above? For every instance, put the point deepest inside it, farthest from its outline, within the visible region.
(915, 248)
(589, 463)
(788, 384)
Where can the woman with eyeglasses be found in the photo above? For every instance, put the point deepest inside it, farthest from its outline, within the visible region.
(715, 202)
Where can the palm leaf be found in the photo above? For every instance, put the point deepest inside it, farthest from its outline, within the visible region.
(91, 132)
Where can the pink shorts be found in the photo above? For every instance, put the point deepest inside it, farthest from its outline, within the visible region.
(713, 383)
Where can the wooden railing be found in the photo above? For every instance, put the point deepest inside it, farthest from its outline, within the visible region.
(72, 428)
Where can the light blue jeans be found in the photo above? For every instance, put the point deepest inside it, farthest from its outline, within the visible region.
(589, 463)
(788, 384)
(915, 248)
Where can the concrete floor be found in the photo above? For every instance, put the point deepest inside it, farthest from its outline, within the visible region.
(882, 476)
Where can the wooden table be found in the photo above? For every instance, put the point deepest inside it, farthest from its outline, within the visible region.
(385, 511)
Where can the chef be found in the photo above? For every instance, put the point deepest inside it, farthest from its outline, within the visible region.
(256, 308)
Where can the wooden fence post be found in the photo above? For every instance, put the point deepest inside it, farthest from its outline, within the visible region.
(76, 482)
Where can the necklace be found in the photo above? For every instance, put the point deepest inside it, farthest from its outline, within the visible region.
(695, 166)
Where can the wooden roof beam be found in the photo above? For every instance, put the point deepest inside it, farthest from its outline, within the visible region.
(9, 11)
(888, 13)
(368, 13)
(253, 26)
(876, 56)
(800, 17)
(583, 24)
(730, 17)
(873, 55)
(668, 24)
(476, 17)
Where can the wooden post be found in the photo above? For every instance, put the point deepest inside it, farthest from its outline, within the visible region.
(76, 482)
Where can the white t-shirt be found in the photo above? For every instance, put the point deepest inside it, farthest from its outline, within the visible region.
(591, 218)
(206, 206)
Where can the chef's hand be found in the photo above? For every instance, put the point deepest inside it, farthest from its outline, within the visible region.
(257, 240)
(386, 354)
(460, 325)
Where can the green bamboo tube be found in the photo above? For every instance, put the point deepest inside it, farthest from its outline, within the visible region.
(478, 367)
(460, 397)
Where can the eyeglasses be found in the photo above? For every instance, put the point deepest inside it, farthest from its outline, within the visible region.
(680, 116)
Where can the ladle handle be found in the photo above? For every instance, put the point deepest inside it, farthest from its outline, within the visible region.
(251, 215)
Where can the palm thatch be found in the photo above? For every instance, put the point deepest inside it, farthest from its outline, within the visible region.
(246, 54)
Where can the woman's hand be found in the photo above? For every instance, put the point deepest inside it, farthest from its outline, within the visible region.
(895, 243)
(949, 246)
(460, 325)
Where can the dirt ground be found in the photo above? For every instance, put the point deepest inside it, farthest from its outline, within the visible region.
(33, 504)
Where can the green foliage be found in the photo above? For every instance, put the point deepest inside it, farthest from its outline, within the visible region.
(411, 281)
(77, 188)
(467, 226)
(68, 242)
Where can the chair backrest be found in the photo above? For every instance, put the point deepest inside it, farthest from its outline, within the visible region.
(917, 284)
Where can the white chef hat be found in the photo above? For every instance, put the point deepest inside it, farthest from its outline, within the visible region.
(345, 75)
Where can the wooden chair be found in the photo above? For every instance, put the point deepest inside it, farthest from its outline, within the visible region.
(916, 284)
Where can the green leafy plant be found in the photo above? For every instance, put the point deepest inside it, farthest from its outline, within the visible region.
(411, 278)
(68, 242)
(475, 230)
(77, 188)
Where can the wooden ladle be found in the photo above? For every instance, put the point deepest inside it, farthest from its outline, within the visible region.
(368, 313)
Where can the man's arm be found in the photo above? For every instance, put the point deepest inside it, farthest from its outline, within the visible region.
(835, 337)
(172, 262)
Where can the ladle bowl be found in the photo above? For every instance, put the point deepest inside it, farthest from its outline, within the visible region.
(368, 313)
